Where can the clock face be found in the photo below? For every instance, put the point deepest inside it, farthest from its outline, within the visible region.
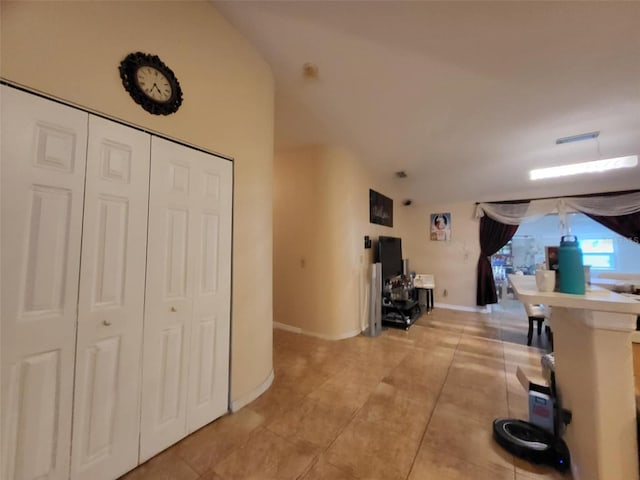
(153, 83)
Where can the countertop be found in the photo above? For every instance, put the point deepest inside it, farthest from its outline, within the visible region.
(596, 298)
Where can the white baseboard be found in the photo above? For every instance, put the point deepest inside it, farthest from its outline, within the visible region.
(463, 308)
(340, 336)
(252, 395)
(288, 328)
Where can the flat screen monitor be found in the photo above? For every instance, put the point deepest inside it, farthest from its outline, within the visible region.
(390, 256)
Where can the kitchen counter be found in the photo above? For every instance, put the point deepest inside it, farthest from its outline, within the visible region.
(594, 376)
(596, 298)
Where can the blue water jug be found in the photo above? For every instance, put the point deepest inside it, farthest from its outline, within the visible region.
(570, 266)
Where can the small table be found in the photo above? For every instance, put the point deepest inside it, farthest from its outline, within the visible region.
(427, 283)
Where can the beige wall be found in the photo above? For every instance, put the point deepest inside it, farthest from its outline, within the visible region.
(71, 50)
(321, 269)
(454, 262)
(321, 215)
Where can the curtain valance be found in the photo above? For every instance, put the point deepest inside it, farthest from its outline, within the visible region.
(530, 211)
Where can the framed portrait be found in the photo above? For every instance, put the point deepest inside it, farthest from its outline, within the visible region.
(380, 209)
(440, 226)
(551, 257)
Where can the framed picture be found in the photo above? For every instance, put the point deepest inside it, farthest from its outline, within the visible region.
(551, 257)
(440, 226)
(380, 209)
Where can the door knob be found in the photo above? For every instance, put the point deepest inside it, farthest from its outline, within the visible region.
(106, 323)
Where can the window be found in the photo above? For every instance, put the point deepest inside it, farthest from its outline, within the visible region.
(598, 252)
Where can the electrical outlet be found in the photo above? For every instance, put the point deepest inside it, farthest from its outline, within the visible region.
(445, 292)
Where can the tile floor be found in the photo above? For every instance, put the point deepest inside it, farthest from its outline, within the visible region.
(414, 405)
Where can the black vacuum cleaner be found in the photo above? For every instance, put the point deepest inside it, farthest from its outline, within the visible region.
(533, 443)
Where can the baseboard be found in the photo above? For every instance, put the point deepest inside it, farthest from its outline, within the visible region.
(252, 395)
(288, 328)
(463, 308)
(340, 336)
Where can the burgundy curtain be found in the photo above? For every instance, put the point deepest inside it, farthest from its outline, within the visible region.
(625, 225)
(493, 236)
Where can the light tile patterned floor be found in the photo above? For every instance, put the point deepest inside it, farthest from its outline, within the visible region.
(414, 404)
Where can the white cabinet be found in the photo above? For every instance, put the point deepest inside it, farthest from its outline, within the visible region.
(99, 371)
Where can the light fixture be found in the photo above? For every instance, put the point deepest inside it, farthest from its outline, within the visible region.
(584, 167)
(578, 138)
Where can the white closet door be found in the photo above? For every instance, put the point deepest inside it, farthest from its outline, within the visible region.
(106, 424)
(43, 168)
(168, 302)
(186, 338)
(210, 241)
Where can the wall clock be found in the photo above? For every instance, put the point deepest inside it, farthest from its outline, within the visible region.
(151, 83)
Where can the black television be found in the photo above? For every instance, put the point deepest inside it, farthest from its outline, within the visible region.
(390, 256)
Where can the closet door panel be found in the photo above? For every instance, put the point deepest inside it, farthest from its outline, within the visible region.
(187, 316)
(43, 168)
(111, 302)
(211, 243)
(169, 303)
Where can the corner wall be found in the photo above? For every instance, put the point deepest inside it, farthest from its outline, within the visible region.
(321, 215)
(71, 50)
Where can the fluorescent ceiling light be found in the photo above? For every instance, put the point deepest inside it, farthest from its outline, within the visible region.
(584, 167)
(578, 138)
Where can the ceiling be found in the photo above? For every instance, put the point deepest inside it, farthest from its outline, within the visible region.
(465, 97)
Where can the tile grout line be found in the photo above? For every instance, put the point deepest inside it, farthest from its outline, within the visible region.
(435, 405)
(506, 386)
(346, 424)
(316, 458)
(357, 410)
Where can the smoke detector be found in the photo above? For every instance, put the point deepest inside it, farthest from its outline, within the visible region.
(310, 71)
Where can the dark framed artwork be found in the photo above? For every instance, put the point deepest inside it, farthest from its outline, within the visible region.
(380, 209)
